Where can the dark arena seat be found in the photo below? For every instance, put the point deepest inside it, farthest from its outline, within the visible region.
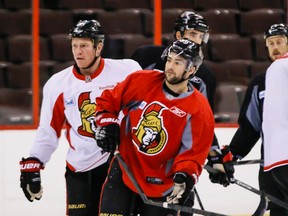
(13, 23)
(259, 47)
(55, 22)
(223, 47)
(222, 20)
(126, 21)
(202, 5)
(19, 76)
(19, 48)
(15, 106)
(61, 47)
(256, 4)
(257, 21)
(228, 100)
(112, 5)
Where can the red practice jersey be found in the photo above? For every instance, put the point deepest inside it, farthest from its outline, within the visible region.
(160, 134)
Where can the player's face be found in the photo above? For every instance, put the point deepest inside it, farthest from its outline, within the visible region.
(175, 68)
(83, 51)
(277, 46)
(193, 35)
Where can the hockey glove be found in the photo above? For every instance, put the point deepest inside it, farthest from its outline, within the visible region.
(183, 184)
(227, 160)
(108, 132)
(30, 179)
(215, 162)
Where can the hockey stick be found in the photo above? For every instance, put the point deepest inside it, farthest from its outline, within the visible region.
(160, 204)
(247, 162)
(198, 199)
(254, 190)
(262, 206)
(261, 193)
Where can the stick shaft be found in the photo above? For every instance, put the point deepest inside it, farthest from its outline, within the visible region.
(252, 189)
(247, 162)
(198, 199)
(160, 204)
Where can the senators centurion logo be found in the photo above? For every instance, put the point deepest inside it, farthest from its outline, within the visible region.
(87, 114)
(150, 136)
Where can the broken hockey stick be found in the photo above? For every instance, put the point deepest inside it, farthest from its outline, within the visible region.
(247, 162)
(160, 204)
(254, 190)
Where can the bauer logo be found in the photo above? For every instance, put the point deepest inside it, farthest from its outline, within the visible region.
(70, 102)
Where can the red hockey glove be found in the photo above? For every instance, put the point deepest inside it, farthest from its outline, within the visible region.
(108, 132)
(30, 179)
(216, 163)
(183, 184)
(227, 159)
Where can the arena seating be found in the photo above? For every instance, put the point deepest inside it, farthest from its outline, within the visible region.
(235, 52)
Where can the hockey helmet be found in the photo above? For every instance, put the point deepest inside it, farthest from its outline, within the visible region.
(276, 29)
(191, 20)
(186, 49)
(88, 29)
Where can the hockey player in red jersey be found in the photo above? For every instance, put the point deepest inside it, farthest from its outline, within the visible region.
(165, 135)
(69, 99)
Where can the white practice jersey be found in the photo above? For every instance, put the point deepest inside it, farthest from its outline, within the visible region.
(69, 100)
(275, 115)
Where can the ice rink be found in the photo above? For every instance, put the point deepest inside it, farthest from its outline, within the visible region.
(233, 200)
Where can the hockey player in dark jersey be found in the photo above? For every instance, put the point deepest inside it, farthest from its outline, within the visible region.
(165, 161)
(188, 25)
(250, 117)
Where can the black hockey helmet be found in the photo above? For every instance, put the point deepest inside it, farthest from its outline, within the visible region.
(191, 20)
(88, 29)
(276, 29)
(186, 49)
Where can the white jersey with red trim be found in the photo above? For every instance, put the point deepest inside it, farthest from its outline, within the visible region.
(69, 99)
(275, 115)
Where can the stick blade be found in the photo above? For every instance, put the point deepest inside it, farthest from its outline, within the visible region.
(263, 204)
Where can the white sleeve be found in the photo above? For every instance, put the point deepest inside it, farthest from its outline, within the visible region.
(275, 114)
(46, 140)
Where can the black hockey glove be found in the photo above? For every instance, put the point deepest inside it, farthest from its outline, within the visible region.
(183, 184)
(108, 132)
(227, 160)
(216, 163)
(30, 179)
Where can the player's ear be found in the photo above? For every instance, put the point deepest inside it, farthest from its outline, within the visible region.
(178, 35)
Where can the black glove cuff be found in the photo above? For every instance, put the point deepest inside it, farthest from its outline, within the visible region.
(180, 177)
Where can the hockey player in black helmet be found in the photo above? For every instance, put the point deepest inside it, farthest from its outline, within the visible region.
(166, 163)
(276, 31)
(189, 20)
(188, 50)
(89, 29)
(69, 100)
(251, 118)
(149, 56)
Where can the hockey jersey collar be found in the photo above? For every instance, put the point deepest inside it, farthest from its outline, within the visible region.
(95, 74)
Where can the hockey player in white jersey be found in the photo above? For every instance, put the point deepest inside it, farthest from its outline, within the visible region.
(275, 128)
(69, 101)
